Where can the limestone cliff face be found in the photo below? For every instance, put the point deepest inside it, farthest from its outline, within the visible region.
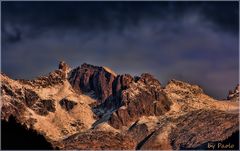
(91, 107)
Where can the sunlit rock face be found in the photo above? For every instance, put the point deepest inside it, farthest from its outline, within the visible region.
(91, 107)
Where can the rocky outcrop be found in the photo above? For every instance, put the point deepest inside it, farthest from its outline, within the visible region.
(99, 140)
(91, 107)
(12, 98)
(89, 78)
(142, 97)
(189, 131)
(231, 143)
(121, 83)
(188, 88)
(53, 78)
(64, 68)
(123, 93)
(30, 97)
(234, 95)
(18, 99)
(43, 107)
(139, 132)
(113, 102)
(67, 104)
(35, 104)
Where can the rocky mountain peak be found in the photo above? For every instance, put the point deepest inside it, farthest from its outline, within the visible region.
(120, 97)
(91, 107)
(63, 66)
(136, 97)
(93, 79)
(234, 94)
(183, 86)
(109, 70)
(149, 79)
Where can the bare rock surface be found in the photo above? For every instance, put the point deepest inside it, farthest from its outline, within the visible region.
(143, 97)
(67, 104)
(99, 140)
(92, 78)
(189, 130)
(234, 95)
(91, 107)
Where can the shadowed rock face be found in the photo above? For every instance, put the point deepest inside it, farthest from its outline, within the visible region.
(15, 136)
(67, 104)
(30, 97)
(130, 97)
(120, 83)
(191, 130)
(89, 78)
(63, 66)
(231, 143)
(195, 124)
(43, 107)
(143, 97)
(234, 95)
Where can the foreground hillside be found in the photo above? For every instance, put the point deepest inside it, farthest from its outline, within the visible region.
(92, 107)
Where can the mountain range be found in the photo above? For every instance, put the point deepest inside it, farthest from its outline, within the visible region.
(92, 107)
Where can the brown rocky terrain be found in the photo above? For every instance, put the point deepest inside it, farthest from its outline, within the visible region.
(234, 95)
(91, 107)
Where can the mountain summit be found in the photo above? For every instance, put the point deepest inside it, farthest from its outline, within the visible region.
(92, 107)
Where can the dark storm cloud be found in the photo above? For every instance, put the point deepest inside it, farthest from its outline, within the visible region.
(107, 15)
(190, 41)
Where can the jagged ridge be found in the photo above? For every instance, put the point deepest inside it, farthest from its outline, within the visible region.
(121, 108)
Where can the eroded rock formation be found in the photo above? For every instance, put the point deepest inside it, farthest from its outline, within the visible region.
(234, 95)
(99, 140)
(88, 78)
(67, 104)
(142, 97)
(92, 107)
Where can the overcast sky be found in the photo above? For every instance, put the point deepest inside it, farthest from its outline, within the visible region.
(196, 42)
